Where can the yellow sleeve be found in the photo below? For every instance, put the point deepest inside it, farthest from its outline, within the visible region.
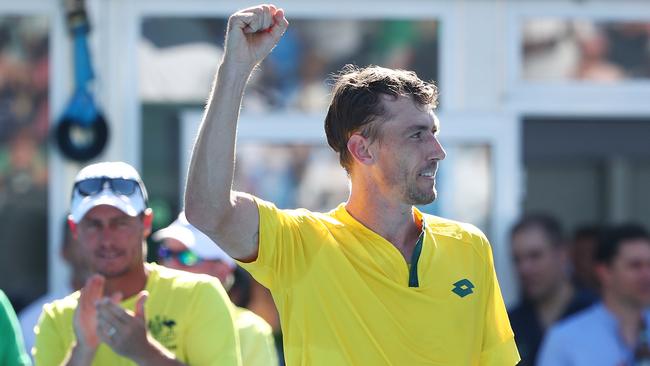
(211, 339)
(282, 255)
(499, 348)
(49, 344)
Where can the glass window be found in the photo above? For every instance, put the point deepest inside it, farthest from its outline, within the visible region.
(178, 57)
(465, 185)
(587, 170)
(579, 49)
(291, 175)
(24, 123)
(161, 162)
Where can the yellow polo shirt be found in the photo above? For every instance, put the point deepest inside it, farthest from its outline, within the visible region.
(346, 295)
(191, 315)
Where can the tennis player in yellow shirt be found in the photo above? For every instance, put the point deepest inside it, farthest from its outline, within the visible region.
(374, 281)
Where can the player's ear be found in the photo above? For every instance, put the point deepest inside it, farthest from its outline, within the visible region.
(359, 148)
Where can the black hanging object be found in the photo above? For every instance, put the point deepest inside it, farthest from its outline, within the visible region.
(82, 131)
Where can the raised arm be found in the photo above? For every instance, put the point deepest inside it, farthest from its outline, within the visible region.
(228, 217)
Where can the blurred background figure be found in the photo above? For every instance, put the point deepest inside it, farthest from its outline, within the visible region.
(24, 124)
(12, 349)
(615, 331)
(594, 51)
(583, 253)
(185, 248)
(542, 263)
(79, 273)
(550, 51)
(130, 311)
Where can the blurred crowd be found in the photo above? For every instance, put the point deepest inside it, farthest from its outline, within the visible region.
(296, 75)
(594, 273)
(555, 49)
(584, 296)
(24, 124)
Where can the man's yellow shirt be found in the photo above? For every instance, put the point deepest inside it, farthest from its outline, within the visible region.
(189, 314)
(346, 296)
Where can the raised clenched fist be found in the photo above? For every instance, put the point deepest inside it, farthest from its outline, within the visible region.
(252, 34)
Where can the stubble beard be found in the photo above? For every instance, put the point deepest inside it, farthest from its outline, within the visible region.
(408, 189)
(413, 195)
(410, 192)
(120, 271)
(113, 273)
(416, 197)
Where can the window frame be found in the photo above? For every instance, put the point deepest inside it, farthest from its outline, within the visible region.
(628, 97)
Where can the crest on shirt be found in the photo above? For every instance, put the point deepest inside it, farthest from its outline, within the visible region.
(163, 329)
(463, 287)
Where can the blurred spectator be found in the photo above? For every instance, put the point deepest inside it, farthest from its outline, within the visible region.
(561, 49)
(12, 349)
(24, 123)
(613, 332)
(79, 273)
(594, 50)
(583, 252)
(541, 260)
(550, 51)
(130, 311)
(186, 248)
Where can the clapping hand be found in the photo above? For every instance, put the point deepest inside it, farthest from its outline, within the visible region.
(122, 330)
(85, 318)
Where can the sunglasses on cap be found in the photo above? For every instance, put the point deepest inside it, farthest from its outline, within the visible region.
(91, 186)
(185, 257)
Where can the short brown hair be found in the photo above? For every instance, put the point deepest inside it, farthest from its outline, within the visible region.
(356, 102)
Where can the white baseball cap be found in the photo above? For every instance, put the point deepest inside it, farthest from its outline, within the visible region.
(116, 184)
(197, 242)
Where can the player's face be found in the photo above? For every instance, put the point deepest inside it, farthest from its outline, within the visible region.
(628, 276)
(408, 152)
(112, 240)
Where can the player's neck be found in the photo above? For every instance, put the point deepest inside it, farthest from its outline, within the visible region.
(129, 284)
(393, 221)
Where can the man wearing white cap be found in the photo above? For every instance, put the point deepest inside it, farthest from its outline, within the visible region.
(131, 312)
(186, 248)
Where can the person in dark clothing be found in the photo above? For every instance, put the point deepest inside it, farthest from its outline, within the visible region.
(548, 295)
(583, 253)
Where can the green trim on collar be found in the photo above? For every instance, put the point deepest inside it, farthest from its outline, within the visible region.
(415, 257)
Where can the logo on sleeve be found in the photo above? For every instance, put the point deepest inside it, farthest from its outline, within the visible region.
(463, 287)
